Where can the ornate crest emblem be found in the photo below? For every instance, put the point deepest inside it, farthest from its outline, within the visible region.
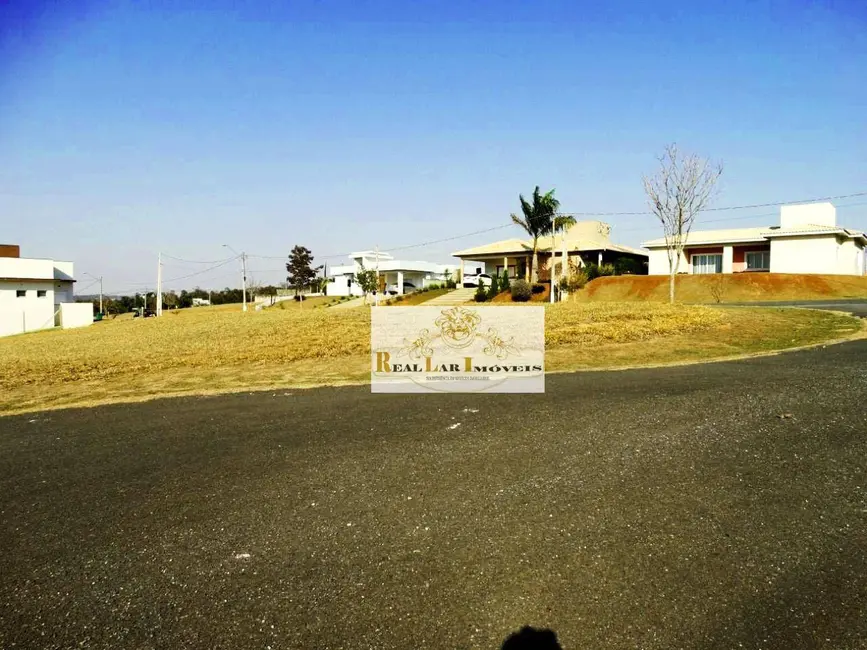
(458, 329)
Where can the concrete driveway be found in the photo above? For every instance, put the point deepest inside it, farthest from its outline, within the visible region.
(713, 506)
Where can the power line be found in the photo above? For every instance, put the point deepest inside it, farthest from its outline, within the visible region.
(730, 207)
(178, 259)
(219, 263)
(87, 287)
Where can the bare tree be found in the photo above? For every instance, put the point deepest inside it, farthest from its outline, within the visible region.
(683, 187)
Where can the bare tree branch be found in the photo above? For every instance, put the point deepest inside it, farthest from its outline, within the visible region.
(683, 186)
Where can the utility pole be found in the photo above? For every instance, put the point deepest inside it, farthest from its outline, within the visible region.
(159, 295)
(243, 257)
(244, 280)
(553, 233)
(100, 289)
(376, 266)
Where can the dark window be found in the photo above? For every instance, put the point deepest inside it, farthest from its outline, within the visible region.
(21, 293)
(41, 293)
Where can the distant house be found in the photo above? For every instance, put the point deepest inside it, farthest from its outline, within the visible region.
(201, 302)
(585, 242)
(37, 294)
(808, 240)
(399, 276)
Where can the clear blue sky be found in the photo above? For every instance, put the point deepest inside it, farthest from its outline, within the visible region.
(127, 128)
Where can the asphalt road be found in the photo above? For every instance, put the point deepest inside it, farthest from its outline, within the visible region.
(713, 506)
(856, 307)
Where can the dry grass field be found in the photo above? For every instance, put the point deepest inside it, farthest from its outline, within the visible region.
(734, 287)
(209, 350)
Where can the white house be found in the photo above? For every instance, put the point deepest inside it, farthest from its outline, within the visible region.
(808, 240)
(37, 294)
(401, 276)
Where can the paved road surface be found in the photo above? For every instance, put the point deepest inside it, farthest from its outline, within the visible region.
(654, 508)
(856, 307)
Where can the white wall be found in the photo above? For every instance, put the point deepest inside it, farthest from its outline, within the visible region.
(850, 258)
(19, 267)
(26, 314)
(342, 287)
(76, 314)
(63, 270)
(808, 214)
(657, 262)
(804, 255)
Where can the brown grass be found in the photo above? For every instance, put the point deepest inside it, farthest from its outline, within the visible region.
(734, 287)
(209, 350)
(417, 297)
(307, 303)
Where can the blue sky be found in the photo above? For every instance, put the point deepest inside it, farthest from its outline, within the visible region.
(128, 128)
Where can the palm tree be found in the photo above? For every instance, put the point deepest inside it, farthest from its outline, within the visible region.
(540, 219)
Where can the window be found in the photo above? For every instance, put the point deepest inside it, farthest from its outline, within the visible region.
(21, 293)
(703, 264)
(41, 293)
(758, 260)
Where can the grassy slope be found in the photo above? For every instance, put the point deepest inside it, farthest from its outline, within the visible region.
(201, 351)
(737, 287)
(417, 297)
(309, 303)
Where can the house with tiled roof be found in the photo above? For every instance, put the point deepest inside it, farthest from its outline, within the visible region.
(808, 240)
(583, 243)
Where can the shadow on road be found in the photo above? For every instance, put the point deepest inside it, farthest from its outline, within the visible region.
(529, 638)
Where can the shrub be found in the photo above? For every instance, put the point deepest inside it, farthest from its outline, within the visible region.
(494, 289)
(538, 288)
(505, 282)
(450, 284)
(575, 281)
(629, 266)
(607, 269)
(521, 291)
(481, 295)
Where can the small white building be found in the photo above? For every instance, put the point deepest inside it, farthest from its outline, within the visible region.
(398, 276)
(808, 240)
(37, 294)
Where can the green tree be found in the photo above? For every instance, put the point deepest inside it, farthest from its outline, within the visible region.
(300, 268)
(539, 219)
(367, 280)
(494, 288)
(504, 284)
(480, 295)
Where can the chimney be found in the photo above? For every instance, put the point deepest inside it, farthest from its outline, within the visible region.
(10, 250)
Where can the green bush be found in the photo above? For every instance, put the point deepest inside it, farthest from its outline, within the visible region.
(450, 284)
(494, 289)
(607, 269)
(538, 288)
(504, 285)
(481, 295)
(629, 266)
(521, 291)
(575, 281)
